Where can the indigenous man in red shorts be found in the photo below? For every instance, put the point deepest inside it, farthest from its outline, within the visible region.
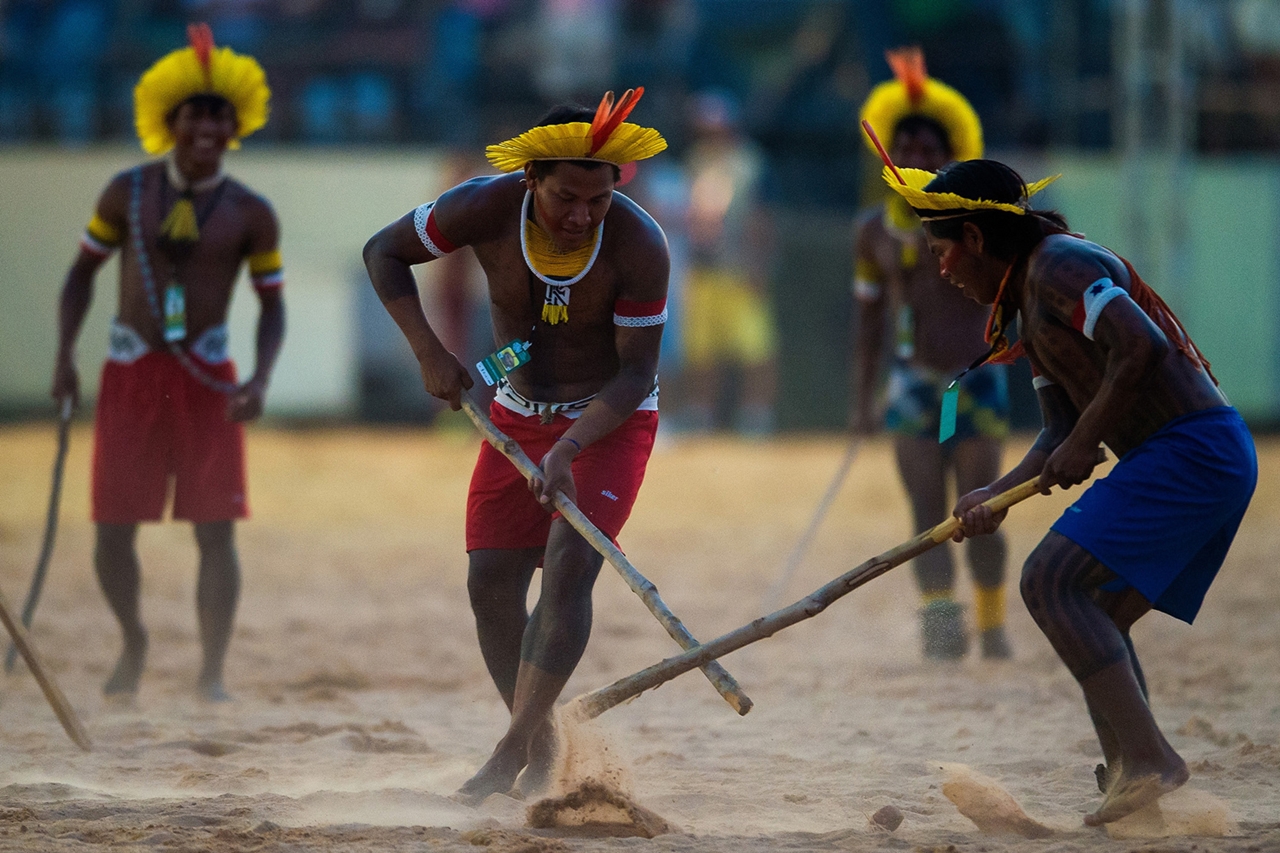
(1112, 365)
(579, 274)
(169, 406)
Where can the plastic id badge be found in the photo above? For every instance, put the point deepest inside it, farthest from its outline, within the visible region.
(506, 359)
(947, 419)
(175, 313)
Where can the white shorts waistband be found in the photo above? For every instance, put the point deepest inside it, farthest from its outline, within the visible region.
(512, 399)
(125, 345)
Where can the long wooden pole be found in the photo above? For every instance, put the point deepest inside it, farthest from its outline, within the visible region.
(61, 707)
(596, 703)
(640, 585)
(50, 529)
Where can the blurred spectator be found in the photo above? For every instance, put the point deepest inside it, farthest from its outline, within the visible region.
(576, 42)
(50, 65)
(445, 83)
(729, 338)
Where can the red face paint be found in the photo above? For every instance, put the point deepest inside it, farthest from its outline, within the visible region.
(947, 260)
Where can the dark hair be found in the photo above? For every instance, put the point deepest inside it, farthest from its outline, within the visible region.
(1005, 235)
(917, 123)
(563, 114)
(211, 102)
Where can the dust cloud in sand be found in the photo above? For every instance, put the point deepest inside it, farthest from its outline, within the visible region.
(361, 700)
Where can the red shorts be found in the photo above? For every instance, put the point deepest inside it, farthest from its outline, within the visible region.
(155, 421)
(503, 513)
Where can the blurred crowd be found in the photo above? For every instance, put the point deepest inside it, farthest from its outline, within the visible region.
(758, 98)
(464, 71)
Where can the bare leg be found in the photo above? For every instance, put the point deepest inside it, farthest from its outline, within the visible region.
(554, 639)
(1059, 583)
(115, 559)
(217, 591)
(977, 463)
(923, 471)
(1124, 608)
(498, 585)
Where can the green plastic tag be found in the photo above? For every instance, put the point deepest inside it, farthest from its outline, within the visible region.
(947, 419)
(175, 313)
(497, 365)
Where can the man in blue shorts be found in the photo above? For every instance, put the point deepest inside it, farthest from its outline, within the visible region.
(1112, 366)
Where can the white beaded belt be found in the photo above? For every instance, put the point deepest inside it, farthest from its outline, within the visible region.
(512, 399)
(126, 346)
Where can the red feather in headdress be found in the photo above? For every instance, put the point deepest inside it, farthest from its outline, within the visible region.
(608, 117)
(201, 38)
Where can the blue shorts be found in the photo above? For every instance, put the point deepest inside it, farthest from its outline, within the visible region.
(1165, 516)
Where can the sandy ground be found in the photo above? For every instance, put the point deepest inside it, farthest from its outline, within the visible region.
(362, 701)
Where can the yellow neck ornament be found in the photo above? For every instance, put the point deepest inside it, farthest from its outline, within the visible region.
(546, 259)
(556, 269)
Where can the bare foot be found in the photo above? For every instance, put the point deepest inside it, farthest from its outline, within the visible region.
(128, 672)
(211, 690)
(537, 776)
(1127, 794)
(496, 776)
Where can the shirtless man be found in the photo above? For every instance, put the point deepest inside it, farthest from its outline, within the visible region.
(168, 404)
(580, 273)
(939, 333)
(1113, 366)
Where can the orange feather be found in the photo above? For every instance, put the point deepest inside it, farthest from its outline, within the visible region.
(908, 66)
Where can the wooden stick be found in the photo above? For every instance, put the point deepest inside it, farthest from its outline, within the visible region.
(596, 703)
(66, 716)
(50, 529)
(640, 585)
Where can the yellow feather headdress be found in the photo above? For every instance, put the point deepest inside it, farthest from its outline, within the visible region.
(914, 92)
(607, 139)
(911, 183)
(200, 69)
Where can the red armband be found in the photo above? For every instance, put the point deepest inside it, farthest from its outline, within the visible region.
(424, 222)
(638, 314)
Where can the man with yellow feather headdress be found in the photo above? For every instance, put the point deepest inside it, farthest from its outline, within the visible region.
(577, 277)
(170, 407)
(927, 124)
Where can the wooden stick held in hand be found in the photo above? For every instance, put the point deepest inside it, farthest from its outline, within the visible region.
(66, 716)
(640, 585)
(596, 703)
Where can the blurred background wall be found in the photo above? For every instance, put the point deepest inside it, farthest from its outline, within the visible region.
(1164, 116)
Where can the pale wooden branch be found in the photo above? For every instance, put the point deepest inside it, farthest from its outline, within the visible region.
(597, 702)
(61, 707)
(640, 585)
